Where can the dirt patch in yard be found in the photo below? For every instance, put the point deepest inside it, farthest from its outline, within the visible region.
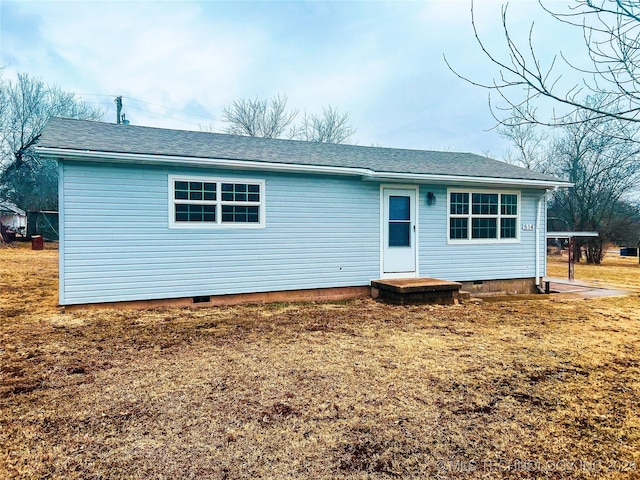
(534, 389)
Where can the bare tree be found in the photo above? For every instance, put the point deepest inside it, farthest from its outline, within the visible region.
(3, 103)
(589, 152)
(611, 32)
(605, 172)
(26, 180)
(272, 119)
(330, 127)
(622, 227)
(207, 127)
(260, 118)
(530, 145)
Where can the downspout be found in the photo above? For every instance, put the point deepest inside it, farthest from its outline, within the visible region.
(543, 198)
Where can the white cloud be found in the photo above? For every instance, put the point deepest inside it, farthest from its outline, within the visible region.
(155, 52)
(380, 61)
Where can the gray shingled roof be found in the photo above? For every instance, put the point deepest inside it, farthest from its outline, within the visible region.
(93, 136)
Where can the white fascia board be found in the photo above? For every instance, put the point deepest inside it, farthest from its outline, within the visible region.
(365, 173)
(467, 180)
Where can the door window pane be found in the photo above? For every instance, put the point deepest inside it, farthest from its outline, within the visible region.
(399, 208)
(399, 234)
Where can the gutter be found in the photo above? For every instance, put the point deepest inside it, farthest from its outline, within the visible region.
(543, 198)
(366, 173)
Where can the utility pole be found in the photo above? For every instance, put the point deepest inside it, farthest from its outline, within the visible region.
(118, 101)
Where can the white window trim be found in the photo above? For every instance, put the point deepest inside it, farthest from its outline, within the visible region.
(469, 240)
(218, 223)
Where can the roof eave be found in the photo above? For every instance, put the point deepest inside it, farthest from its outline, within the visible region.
(469, 180)
(365, 173)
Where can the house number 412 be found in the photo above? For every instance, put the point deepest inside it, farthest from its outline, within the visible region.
(528, 227)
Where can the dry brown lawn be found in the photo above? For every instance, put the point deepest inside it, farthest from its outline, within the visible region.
(529, 389)
(615, 270)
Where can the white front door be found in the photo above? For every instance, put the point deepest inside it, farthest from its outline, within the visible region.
(399, 239)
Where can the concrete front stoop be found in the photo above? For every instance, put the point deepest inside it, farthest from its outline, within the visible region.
(418, 291)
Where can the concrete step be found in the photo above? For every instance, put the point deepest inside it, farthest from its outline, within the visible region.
(464, 296)
(416, 291)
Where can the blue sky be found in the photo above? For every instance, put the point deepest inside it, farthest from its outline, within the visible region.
(179, 63)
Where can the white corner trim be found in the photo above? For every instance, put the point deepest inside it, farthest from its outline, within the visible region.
(61, 236)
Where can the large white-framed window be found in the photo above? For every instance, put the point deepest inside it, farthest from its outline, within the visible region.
(216, 202)
(483, 216)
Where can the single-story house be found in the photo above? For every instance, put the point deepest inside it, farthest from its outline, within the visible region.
(149, 214)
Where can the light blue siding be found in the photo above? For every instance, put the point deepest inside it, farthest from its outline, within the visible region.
(474, 261)
(320, 232)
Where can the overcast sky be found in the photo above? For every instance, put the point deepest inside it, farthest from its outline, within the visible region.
(179, 63)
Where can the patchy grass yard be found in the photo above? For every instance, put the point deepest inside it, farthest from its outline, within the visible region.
(530, 389)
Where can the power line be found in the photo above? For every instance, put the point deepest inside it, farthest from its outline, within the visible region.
(93, 94)
(164, 107)
(169, 108)
(131, 99)
(138, 109)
